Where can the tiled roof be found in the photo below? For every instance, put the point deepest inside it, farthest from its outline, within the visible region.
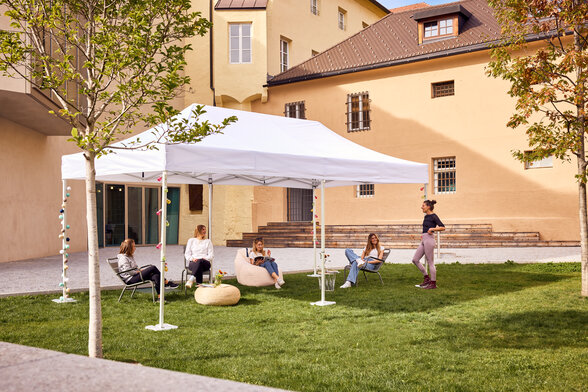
(410, 7)
(237, 4)
(394, 40)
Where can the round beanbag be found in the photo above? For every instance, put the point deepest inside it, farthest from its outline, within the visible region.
(225, 294)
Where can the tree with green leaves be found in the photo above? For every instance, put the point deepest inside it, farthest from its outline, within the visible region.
(110, 66)
(549, 84)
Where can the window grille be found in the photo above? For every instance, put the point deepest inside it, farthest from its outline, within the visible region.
(365, 190)
(438, 28)
(442, 89)
(444, 175)
(295, 110)
(358, 112)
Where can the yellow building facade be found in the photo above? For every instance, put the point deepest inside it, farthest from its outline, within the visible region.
(460, 132)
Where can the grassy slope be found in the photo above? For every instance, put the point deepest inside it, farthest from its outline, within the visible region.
(488, 327)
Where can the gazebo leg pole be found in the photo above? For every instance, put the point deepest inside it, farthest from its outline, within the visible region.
(314, 274)
(162, 326)
(210, 219)
(322, 302)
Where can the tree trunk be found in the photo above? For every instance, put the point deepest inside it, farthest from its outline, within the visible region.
(581, 113)
(95, 322)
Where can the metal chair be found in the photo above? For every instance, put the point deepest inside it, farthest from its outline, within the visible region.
(186, 271)
(113, 262)
(376, 270)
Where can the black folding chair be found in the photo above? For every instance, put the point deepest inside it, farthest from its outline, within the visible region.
(186, 271)
(376, 270)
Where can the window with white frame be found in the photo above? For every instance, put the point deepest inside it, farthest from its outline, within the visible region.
(358, 112)
(240, 43)
(341, 16)
(540, 163)
(444, 175)
(438, 28)
(314, 7)
(295, 110)
(284, 54)
(365, 190)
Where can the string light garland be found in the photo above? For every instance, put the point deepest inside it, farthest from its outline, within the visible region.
(65, 290)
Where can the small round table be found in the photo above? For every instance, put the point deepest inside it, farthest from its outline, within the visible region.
(225, 294)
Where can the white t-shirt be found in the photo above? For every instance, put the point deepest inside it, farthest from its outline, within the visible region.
(373, 253)
(199, 249)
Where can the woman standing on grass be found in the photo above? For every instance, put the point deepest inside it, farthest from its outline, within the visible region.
(130, 271)
(262, 258)
(431, 223)
(372, 255)
(199, 252)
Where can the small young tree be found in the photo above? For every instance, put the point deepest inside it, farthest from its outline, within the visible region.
(549, 84)
(110, 65)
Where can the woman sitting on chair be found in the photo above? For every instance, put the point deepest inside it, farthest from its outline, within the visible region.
(199, 252)
(368, 260)
(126, 262)
(262, 258)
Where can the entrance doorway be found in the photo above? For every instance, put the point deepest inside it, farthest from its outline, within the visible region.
(299, 205)
(128, 211)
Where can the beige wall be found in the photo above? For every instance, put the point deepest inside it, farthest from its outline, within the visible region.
(31, 195)
(407, 123)
(292, 19)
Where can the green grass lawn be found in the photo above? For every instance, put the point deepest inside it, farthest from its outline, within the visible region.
(487, 327)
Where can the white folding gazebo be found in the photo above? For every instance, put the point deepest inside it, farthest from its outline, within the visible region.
(258, 149)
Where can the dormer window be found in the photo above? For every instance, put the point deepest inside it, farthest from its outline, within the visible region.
(440, 22)
(438, 28)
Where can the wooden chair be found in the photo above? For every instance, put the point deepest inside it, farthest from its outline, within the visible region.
(186, 271)
(113, 262)
(376, 270)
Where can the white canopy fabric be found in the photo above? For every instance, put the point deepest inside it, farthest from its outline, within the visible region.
(258, 149)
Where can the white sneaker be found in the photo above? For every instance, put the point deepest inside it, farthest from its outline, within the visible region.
(277, 286)
(189, 284)
(360, 262)
(281, 281)
(346, 285)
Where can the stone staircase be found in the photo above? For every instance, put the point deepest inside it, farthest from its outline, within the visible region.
(400, 236)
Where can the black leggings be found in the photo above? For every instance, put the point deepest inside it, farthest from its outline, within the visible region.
(198, 267)
(150, 273)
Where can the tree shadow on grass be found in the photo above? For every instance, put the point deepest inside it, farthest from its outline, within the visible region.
(456, 284)
(539, 329)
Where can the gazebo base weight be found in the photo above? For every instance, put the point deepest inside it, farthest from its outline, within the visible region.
(323, 303)
(161, 327)
(63, 300)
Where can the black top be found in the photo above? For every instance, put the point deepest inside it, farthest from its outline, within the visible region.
(431, 221)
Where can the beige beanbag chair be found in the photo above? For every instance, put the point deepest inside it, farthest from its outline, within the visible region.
(224, 294)
(249, 274)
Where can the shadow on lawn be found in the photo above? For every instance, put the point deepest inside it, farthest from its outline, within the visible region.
(523, 330)
(457, 283)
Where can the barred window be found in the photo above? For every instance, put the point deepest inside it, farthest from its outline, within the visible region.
(442, 89)
(314, 7)
(295, 110)
(365, 190)
(444, 175)
(358, 112)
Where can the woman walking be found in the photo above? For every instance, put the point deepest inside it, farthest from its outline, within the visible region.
(431, 224)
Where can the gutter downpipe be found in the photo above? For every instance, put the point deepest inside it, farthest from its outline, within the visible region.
(210, 47)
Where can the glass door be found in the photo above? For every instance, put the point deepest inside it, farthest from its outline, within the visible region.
(173, 215)
(299, 205)
(135, 214)
(151, 217)
(114, 225)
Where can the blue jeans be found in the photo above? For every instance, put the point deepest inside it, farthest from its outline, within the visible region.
(353, 257)
(271, 267)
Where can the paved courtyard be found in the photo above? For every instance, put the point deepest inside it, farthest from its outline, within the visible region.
(43, 275)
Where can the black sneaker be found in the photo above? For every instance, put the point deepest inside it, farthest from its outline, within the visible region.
(171, 284)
